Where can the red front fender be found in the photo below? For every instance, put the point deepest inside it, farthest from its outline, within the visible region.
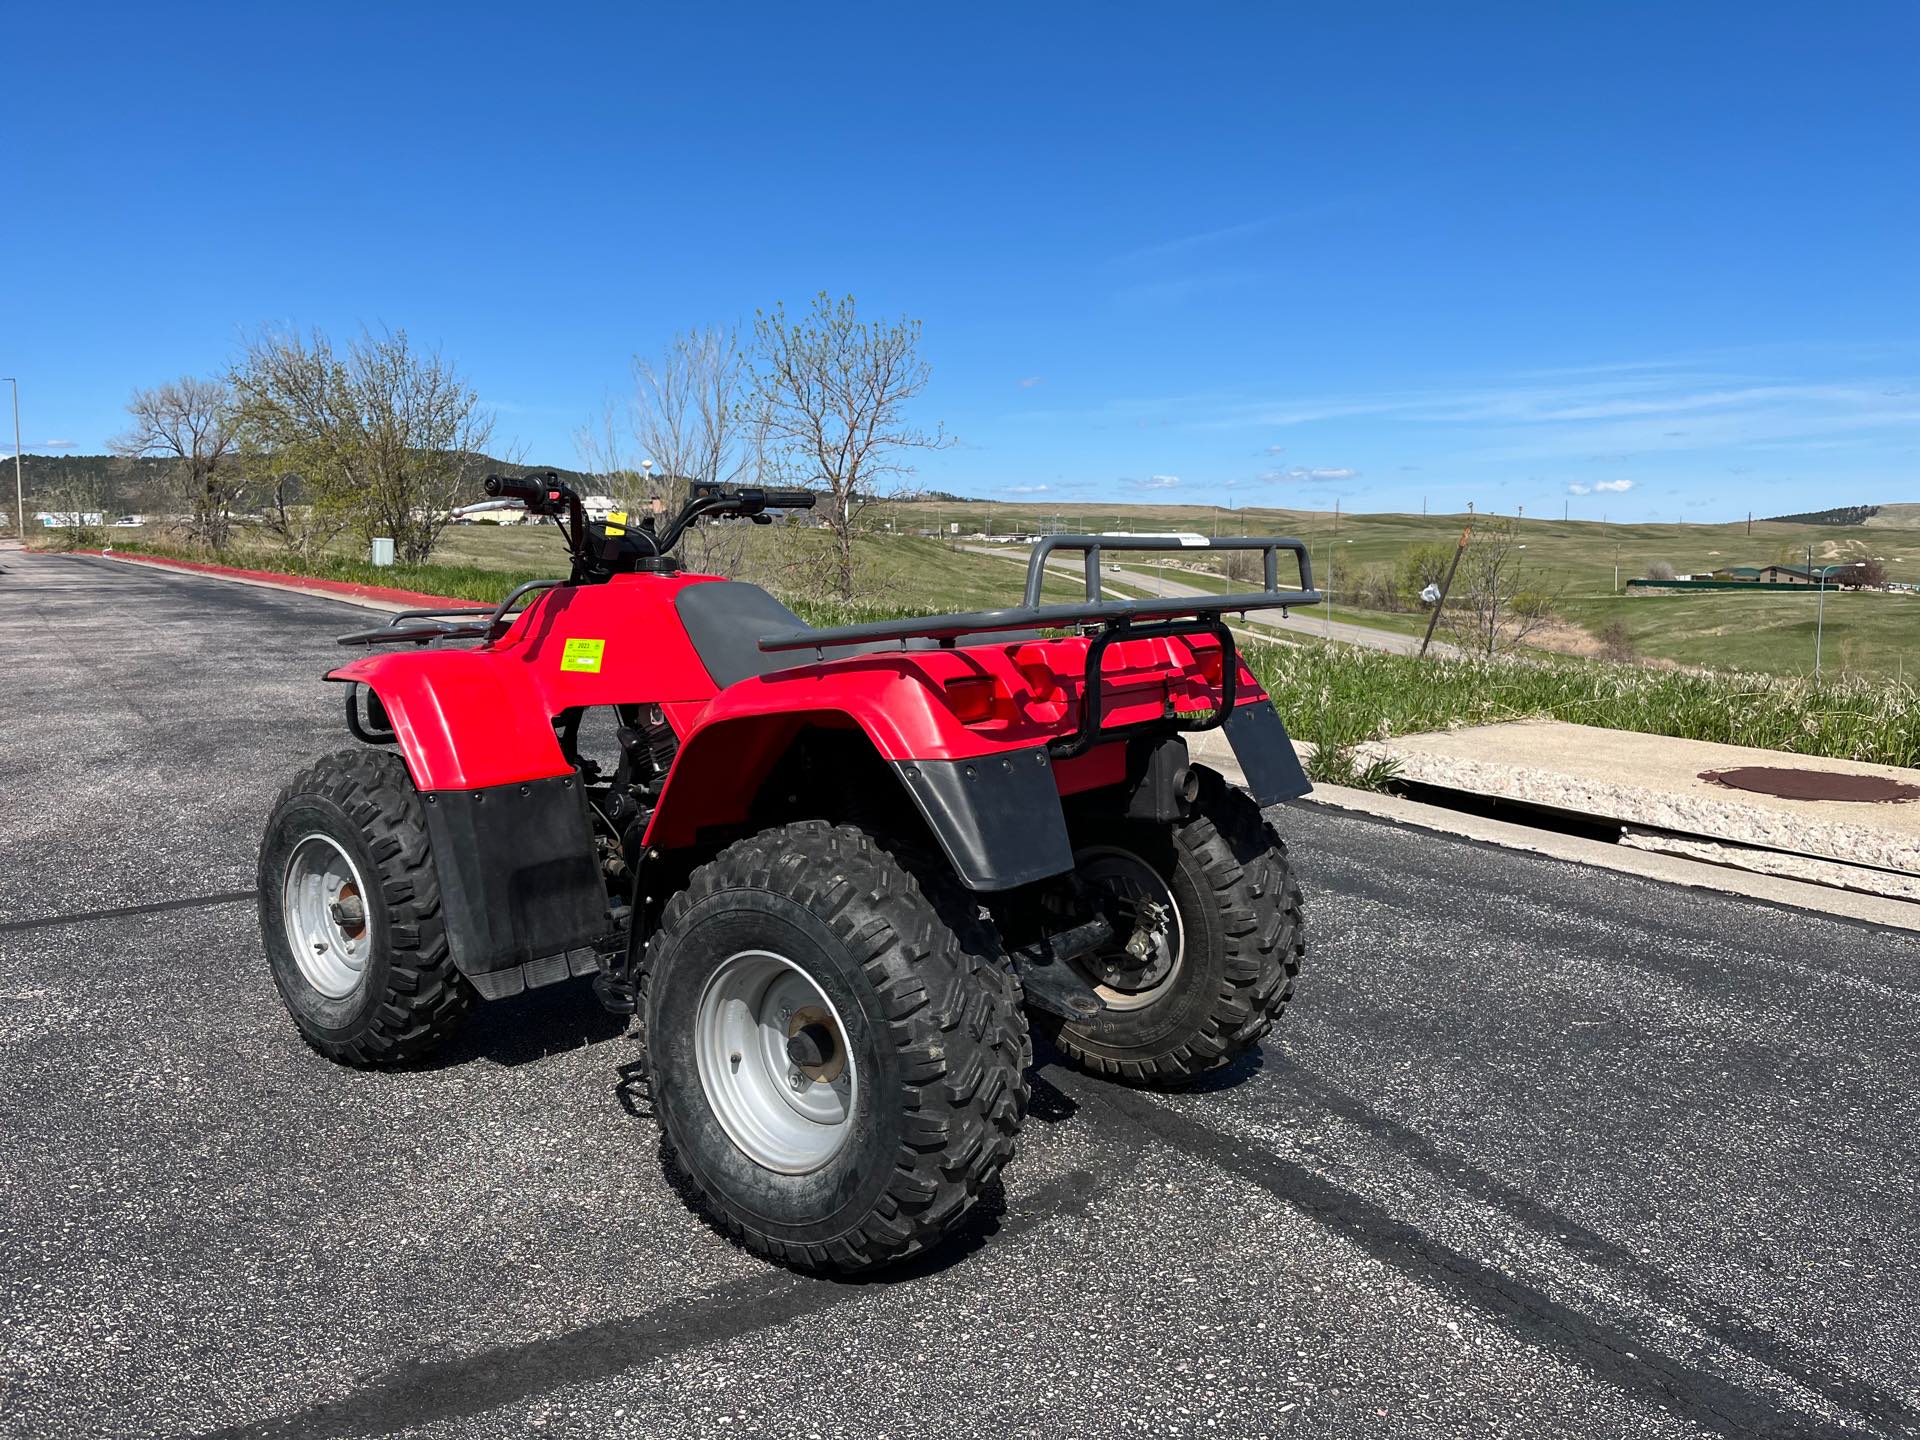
(464, 720)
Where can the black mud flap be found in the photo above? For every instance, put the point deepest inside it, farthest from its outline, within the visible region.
(1266, 754)
(520, 888)
(997, 818)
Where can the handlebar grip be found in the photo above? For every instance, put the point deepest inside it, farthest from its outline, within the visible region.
(790, 499)
(507, 487)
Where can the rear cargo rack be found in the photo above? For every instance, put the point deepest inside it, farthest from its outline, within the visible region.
(1108, 621)
(1095, 610)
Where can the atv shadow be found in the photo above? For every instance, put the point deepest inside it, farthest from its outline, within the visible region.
(529, 1027)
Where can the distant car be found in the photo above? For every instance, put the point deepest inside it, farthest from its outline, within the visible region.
(128, 520)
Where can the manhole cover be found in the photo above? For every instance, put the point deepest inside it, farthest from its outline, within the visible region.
(1795, 784)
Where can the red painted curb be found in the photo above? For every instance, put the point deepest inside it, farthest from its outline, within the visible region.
(345, 589)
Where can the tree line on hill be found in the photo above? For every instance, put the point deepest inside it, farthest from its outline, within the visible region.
(303, 440)
(1839, 515)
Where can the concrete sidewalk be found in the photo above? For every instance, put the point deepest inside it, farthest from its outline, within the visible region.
(1653, 786)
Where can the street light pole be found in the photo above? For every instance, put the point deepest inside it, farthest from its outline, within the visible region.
(19, 494)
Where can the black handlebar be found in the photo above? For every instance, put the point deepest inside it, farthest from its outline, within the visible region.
(787, 499)
(511, 487)
(548, 495)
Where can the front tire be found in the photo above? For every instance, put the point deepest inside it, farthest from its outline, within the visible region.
(837, 1047)
(1221, 967)
(350, 913)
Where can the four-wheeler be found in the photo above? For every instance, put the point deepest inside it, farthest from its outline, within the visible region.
(832, 871)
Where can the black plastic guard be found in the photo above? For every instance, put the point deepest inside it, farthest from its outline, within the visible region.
(518, 877)
(997, 818)
(1266, 754)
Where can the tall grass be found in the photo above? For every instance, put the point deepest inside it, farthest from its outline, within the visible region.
(1338, 696)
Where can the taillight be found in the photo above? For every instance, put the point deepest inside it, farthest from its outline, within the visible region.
(971, 698)
(1211, 668)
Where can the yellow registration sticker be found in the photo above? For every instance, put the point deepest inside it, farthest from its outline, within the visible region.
(583, 655)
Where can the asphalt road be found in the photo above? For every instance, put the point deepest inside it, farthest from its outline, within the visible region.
(1540, 1151)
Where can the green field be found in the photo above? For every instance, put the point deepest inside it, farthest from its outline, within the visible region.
(1580, 553)
(1868, 634)
(1767, 632)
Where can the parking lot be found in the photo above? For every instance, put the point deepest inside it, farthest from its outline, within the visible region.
(1540, 1150)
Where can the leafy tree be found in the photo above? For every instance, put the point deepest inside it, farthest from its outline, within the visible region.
(1423, 565)
(382, 437)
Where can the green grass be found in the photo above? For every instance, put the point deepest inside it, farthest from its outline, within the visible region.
(1338, 697)
(898, 575)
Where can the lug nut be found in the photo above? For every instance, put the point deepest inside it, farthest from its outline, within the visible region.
(797, 1080)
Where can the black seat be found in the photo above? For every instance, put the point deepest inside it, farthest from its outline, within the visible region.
(725, 620)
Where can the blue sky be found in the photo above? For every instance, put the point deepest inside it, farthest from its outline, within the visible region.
(1640, 260)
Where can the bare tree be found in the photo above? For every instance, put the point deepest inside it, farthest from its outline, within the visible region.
(1660, 570)
(1866, 574)
(832, 391)
(692, 419)
(1495, 604)
(190, 421)
(383, 434)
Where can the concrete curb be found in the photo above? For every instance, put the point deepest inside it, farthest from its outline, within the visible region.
(1210, 748)
(373, 597)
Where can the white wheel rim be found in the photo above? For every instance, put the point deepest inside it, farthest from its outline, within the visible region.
(329, 925)
(784, 1115)
(1134, 883)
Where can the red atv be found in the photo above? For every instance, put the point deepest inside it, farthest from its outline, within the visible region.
(833, 871)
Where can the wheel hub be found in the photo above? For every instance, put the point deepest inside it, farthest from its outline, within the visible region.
(322, 904)
(772, 1057)
(1149, 944)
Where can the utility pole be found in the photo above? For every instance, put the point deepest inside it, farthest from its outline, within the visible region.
(1445, 586)
(19, 494)
(1820, 616)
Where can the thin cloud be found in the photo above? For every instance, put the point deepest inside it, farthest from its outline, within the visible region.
(52, 445)
(1024, 489)
(1031, 381)
(1613, 487)
(1300, 474)
(1156, 482)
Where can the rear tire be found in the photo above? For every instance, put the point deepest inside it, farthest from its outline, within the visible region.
(350, 913)
(914, 1082)
(1240, 941)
